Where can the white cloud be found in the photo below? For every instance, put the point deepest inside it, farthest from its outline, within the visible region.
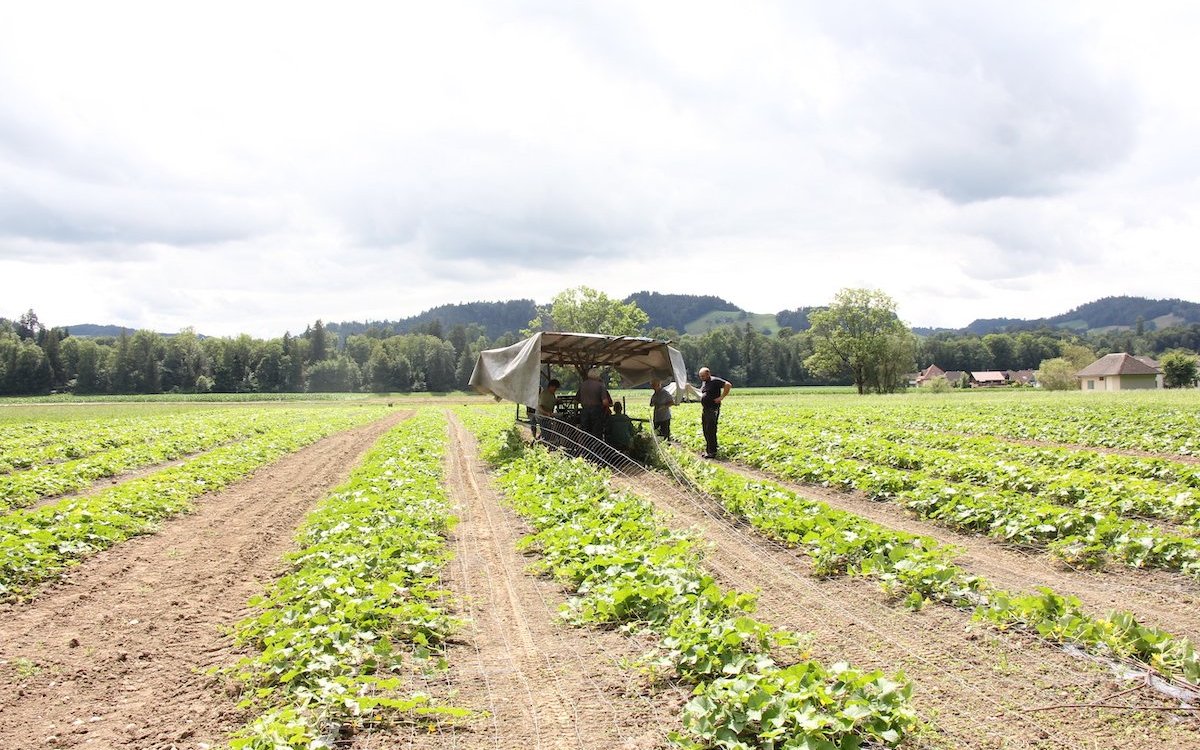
(255, 167)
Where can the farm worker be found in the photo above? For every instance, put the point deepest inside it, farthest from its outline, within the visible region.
(593, 400)
(620, 429)
(662, 402)
(547, 401)
(713, 391)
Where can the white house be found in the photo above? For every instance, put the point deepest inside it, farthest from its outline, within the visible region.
(1120, 372)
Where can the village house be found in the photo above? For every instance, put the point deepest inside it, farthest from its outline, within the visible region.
(1120, 372)
(973, 379)
(988, 378)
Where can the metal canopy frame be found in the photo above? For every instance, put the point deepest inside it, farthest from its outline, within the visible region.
(514, 372)
(587, 350)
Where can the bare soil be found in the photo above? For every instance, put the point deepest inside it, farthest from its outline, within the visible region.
(115, 654)
(975, 687)
(536, 682)
(1165, 600)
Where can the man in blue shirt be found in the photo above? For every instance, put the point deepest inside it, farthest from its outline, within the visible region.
(713, 391)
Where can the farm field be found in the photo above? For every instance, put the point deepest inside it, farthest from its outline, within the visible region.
(997, 570)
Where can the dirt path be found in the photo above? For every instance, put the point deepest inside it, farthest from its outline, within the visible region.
(974, 686)
(1159, 598)
(113, 655)
(543, 683)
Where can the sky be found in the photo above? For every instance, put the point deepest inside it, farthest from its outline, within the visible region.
(252, 167)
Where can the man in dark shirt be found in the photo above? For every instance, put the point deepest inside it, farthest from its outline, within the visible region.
(713, 391)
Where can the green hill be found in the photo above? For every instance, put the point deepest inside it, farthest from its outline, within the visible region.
(1105, 314)
(762, 322)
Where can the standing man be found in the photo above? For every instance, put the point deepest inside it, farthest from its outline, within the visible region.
(547, 400)
(593, 398)
(662, 402)
(713, 391)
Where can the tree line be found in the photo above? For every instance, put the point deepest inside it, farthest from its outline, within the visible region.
(856, 340)
(35, 360)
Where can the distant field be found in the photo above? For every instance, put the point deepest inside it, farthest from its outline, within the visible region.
(223, 398)
(762, 322)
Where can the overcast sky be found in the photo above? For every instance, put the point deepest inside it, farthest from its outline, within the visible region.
(251, 166)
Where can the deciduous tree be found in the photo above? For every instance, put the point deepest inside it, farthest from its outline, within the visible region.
(1058, 374)
(1179, 369)
(860, 335)
(586, 310)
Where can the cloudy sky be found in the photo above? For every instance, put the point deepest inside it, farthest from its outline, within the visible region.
(251, 167)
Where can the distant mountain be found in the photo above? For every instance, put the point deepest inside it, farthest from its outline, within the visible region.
(678, 311)
(1107, 313)
(497, 318)
(698, 314)
(983, 326)
(93, 331)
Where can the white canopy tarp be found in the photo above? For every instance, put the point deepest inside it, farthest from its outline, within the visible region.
(513, 373)
(690, 392)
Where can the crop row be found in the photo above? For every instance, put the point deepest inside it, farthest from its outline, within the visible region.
(916, 427)
(1081, 537)
(1076, 487)
(1156, 422)
(919, 569)
(360, 599)
(626, 569)
(1109, 464)
(36, 545)
(164, 443)
(37, 443)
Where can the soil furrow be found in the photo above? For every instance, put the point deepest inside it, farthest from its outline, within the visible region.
(540, 683)
(113, 655)
(1165, 600)
(973, 685)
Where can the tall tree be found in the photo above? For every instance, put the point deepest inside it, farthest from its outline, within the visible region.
(28, 326)
(318, 340)
(858, 336)
(586, 310)
(184, 363)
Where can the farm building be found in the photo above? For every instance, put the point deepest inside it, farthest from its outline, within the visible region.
(1120, 372)
(928, 375)
(973, 379)
(988, 378)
